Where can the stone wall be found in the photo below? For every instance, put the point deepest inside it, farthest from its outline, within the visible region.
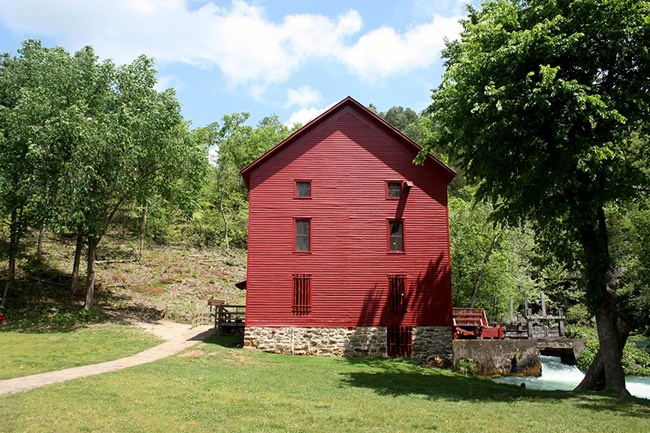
(431, 341)
(428, 341)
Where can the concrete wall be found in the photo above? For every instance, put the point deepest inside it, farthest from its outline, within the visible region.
(568, 349)
(497, 357)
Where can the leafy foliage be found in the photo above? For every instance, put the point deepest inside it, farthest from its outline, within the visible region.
(82, 139)
(225, 196)
(544, 103)
(635, 360)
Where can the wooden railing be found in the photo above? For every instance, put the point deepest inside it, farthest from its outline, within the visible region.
(535, 325)
(227, 317)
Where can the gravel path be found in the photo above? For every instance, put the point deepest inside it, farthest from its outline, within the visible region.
(179, 337)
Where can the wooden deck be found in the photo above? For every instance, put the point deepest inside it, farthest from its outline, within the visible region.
(227, 318)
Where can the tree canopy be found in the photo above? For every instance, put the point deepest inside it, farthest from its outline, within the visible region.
(547, 104)
(81, 139)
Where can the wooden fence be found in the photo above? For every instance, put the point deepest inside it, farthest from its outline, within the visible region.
(531, 325)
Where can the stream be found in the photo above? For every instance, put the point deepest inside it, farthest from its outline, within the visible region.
(558, 376)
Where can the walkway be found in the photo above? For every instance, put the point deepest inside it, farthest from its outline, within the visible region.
(180, 338)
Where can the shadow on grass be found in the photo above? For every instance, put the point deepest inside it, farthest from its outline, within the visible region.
(229, 341)
(402, 378)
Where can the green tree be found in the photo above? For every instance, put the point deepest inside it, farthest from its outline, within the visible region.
(630, 245)
(491, 261)
(540, 100)
(406, 120)
(238, 145)
(36, 101)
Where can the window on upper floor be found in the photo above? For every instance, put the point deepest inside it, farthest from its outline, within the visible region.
(393, 190)
(303, 189)
(396, 236)
(303, 234)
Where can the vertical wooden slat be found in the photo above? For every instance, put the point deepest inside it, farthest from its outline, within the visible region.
(399, 341)
(301, 294)
(397, 293)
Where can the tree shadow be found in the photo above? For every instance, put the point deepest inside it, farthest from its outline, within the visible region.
(230, 341)
(395, 378)
(432, 293)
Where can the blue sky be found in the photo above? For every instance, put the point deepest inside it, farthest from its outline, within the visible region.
(293, 58)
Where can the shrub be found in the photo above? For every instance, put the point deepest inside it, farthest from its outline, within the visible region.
(635, 360)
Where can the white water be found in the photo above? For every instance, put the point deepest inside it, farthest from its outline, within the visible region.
(558, 376)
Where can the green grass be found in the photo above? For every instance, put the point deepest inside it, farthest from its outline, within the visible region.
(212, 388)
(25, 353)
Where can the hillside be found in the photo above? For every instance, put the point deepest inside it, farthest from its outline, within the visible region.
(169, 281)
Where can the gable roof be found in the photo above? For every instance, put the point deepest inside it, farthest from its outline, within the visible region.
(347, 102)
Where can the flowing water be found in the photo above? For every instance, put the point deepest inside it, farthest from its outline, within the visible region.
(558, 376)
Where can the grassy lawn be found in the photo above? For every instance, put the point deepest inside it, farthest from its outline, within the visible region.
(213, 388)
(25, 353)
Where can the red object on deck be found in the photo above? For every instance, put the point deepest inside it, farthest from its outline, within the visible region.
(473, 323)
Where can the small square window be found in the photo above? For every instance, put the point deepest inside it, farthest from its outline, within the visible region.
(303, 189)
(396, 236)
(393, 190)
(303, 234)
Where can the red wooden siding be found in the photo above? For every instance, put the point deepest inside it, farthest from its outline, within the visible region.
(349, 158)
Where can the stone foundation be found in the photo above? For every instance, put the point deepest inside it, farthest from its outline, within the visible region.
(431, 341)
(428, 341)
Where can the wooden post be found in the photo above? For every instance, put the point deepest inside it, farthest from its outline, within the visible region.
(560, 322)
(526, 304)
(543, 305)
(219, 318)
(529, 323)
(511, 312)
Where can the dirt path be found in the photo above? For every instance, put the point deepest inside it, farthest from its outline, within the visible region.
(179, 337)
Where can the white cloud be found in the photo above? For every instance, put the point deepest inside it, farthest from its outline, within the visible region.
(240, 39)
(383, 52)
(302, 97)
(304, 115)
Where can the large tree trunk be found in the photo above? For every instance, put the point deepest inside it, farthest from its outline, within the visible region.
(76, 262)
(90, 276)
(610, 353)
(594, 379)
(594, 241)
(484, 265)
